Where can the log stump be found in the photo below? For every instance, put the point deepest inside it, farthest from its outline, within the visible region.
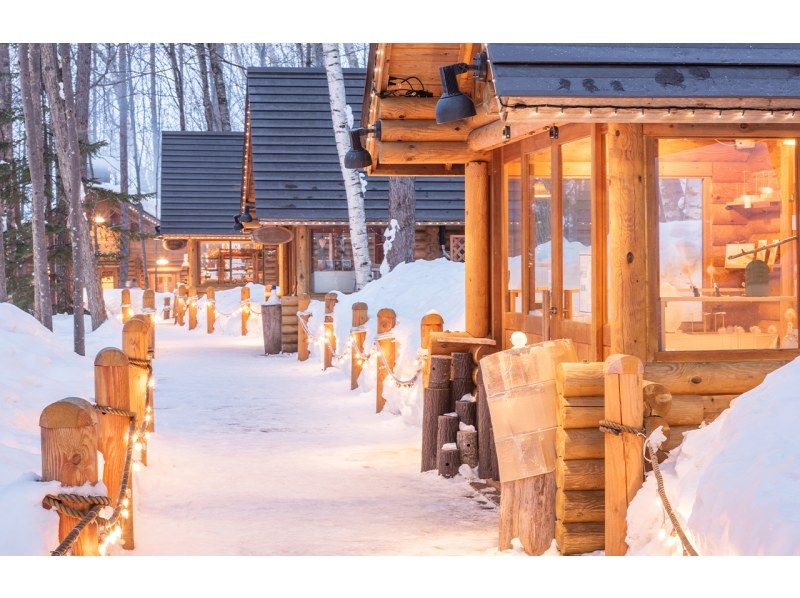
(435, 402)
(467, 443)
(271, 327)
(466, 410)
(448, 461)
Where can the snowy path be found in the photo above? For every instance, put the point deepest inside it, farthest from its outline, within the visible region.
(268, 456)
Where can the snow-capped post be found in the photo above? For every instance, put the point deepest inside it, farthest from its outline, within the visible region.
(150, 388)
(387, 320)
(148, 301)
(166, 311)
(211, 310)
(111, 389)
(328, 330)
(180, 304)
(245, 308)
(126, 309)
(134, 344)
(461, 376)
(192, 308)
(302, 338)
(69, 456)
(467, 443)
(358, 336)
(465, 409)
(430, 322)
(271, 324)
(342, 118)
(624, 464)
(435, 402)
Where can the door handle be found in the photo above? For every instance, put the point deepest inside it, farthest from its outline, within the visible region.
(553, 310)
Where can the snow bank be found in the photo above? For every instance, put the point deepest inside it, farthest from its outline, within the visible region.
(735, 483)
(36, 368)
(411, 290)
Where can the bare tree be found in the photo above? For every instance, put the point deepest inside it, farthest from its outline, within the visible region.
(202, 61)
(402, 208)
(177, 78)
(6, 154)
(352, 179)
(216, 56)
(122, 105)
(30, 73)
(154, 121)
(83, 74)
(66, 137)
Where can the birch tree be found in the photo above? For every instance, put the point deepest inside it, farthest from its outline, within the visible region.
(340, 116)
(202, 62)
(177, 78)
(6, 155)
(30, 73)
(122, 105)
(215, 56)
(402, 214)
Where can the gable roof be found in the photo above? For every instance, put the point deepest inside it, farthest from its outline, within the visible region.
(201, 181)
(296, 170)
(660, 71)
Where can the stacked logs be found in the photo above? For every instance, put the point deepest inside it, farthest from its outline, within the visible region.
(289, 335)
(449, 434)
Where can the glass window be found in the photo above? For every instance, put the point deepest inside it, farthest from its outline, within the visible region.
(576, 174)
(540, 226)
(720, 201)
(513, 193)
(227, 261)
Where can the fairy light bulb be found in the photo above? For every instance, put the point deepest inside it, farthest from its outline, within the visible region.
(519, 339)
(151, 383)
(137, 467)
(126, 502)
(125, 513)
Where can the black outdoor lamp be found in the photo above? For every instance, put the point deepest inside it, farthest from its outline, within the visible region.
(237, 224)
(246, 216)
(454, 105)
(357, 156)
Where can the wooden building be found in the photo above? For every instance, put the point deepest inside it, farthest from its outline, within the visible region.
(284, 171)
(616, 195)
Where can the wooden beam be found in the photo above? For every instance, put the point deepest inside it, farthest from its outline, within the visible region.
(408, 108)
(627, 248)
(416, 170)
(428, 152)
(423, 130)
(477, 259)
(493, 135)
(710, 377)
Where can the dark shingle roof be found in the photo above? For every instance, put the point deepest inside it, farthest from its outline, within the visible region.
(201, 181)
(647, 70)
(295, 163)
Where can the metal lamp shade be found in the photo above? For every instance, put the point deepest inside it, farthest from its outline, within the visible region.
(356, 156)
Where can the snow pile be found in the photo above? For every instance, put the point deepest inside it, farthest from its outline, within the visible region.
(37, 368)
(735, 483)
(411, 290)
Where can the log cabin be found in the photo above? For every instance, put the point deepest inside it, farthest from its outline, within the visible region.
(637, 199)
(284, 173)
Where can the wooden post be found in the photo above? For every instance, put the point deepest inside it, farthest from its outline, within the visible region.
(467, 443)
(461, 376)
(126, 309)
(193, 257)
(428, 324)
(192, 308)
(211, 310)
(465, 409)
(271, 320)
(448, 460)
(478, 254)
(303, 254)
(387, 320)
(357, 345)
(148, 301)
(180, 306)
(134, 345)
(166, 313)
(436, 400)
(628, 292)
(245, 307)
(111, 389)
(302, 338)
(330, 334)
(487, 453)
(69, 455)
(289, 323)
(624, 464)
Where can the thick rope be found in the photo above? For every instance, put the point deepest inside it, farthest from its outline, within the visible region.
(143, 364)
(618, 429)
(69, 540)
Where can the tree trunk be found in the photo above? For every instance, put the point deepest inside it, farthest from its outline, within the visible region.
(30, 74)
(177, 78)
(202, 62)
(62, 113)
(125, 224)
(352, 179)
(216, 54)
(155, 132)
(402, 220)
(6, 155)
(351, 55)
(82, 84)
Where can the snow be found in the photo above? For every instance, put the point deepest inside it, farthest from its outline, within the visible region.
(734, 483)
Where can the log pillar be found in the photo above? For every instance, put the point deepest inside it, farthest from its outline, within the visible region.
(476, 210)
(69, 455)
(193, 257)
(302, 240)
(627, 254)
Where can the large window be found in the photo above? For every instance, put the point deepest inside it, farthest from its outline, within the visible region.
(727, 247)
(227, 262)
(332, 258)
(576, 229)
(512, 177)
(540, 227)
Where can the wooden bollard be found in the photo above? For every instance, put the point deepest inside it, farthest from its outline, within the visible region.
(150, 382)
(329, 346)
(245, 307)
(126, 309)
(69, 455)
(111, 389)
(134, 345)
(624, 464)
(446, 433)
(211, 310)
(180, 305)
(358, 337)
(302, 338)
(447, 460)
(148, 301)
(436, 399)
(387, 320)
(192, 309)
(488, 468)
(461, 376)
(166, 311)
(467, 443)
(465, 409)
(432, 322)
(271, 323)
